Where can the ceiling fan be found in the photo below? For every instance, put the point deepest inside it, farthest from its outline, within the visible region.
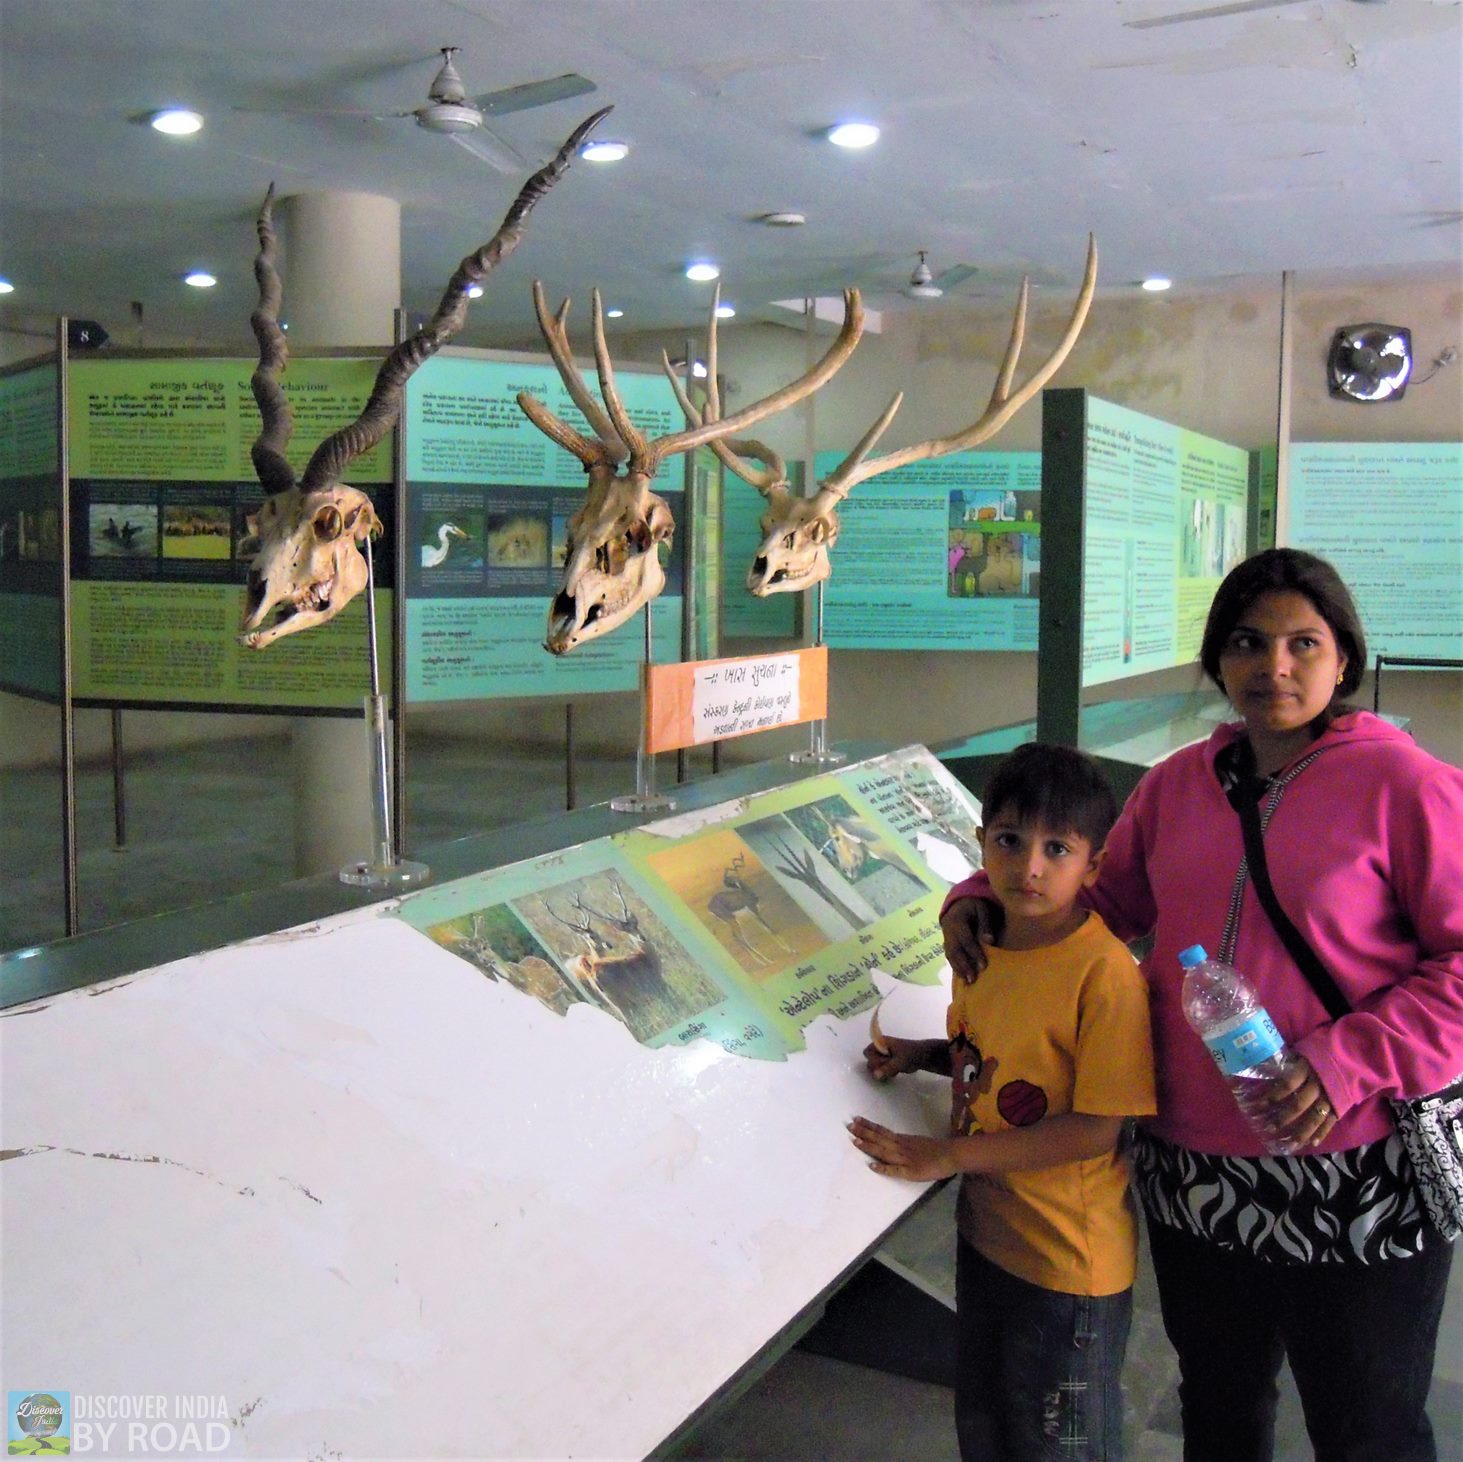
(924, 284)
(449, 111)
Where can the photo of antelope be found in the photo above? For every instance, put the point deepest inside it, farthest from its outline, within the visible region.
(123, 530)
(616, 954)
(498, 942)
(749, 914)
(193, 531)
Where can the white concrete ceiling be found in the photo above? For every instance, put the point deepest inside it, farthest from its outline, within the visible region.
(1224, 140)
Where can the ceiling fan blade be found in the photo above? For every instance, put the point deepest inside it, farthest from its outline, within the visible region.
(533, 94)
(490, 149)
(956, 274)
(1209, 12)
(321, 112)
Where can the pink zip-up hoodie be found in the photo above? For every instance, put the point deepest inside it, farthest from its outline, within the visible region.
(1365, 851)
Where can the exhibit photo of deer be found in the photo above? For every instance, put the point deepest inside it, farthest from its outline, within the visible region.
(451, 540)
(123, 530)
(197, 531)
(616, 954)
(501, 945)
(750, 915)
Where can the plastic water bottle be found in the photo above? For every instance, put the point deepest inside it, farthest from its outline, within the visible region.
(1249, 1051)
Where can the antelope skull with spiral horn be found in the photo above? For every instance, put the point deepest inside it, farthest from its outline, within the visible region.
(798, 532)
(309, 565)
(612, 563)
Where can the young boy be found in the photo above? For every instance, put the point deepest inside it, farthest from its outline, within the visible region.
(1049, 1050)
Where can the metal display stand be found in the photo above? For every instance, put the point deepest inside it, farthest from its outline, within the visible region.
(384, 871)
(819, 753)
(644, 798)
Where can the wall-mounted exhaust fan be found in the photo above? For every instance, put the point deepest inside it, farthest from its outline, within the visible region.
(1369, 362)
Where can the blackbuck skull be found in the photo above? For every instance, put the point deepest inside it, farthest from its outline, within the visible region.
(309, 564)
(798, 532)
(612, 562)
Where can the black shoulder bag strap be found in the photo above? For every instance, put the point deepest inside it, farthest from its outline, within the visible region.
(1242, 797)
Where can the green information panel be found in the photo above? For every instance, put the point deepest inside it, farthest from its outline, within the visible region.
(488, 502)
(942, 555)
(1390, 517)
(30, 533)
(161, 485)
(1165, 521)
(194, 420)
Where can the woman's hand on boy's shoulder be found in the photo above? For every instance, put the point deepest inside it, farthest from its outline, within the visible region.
(903, 1154)
(967, 926)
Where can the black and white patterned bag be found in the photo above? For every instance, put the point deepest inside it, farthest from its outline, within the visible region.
(1431, 1129)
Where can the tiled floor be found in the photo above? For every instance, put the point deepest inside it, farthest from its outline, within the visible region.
(203, 825)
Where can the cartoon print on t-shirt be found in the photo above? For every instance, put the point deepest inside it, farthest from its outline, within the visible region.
(973, 1074)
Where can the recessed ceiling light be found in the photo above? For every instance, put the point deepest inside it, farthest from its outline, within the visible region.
(726, 312)
(200, 279)
(176, 122)
(783, 220)
(6, 287)
(1156, 284)
(698, 369)
(614, 314)
(702, 271)
(853, 134)
(474, 291)
(605, 151)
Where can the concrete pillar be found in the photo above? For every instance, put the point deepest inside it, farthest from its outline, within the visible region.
(342, 276)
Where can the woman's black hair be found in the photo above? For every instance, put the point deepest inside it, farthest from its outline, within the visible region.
(1055, 787)
(1278, 570)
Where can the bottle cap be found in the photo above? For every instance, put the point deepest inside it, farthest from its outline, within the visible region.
(1195, 954)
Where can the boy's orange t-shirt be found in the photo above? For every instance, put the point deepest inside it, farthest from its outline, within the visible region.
(1040, 1033)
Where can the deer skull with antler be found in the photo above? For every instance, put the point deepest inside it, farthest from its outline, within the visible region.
(798, 532)
(612, 564)
(309, 565)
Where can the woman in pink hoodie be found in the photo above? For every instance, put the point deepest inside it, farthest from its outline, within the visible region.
(1326, 1256)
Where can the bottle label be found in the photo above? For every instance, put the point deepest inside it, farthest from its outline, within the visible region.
(1246, 1043)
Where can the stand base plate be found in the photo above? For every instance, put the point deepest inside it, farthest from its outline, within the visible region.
(817, 758)
(639, 802)
(385, 875)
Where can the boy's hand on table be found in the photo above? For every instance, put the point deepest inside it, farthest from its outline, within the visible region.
(902, 1154)
(898, 1057)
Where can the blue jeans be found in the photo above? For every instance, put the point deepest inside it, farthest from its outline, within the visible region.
(1037, 1372)
(1360, 1339)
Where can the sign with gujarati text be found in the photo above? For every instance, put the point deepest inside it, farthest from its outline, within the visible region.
(712, 700)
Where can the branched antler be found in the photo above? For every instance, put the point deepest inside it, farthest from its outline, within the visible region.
(612, 567)
(799, 532)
